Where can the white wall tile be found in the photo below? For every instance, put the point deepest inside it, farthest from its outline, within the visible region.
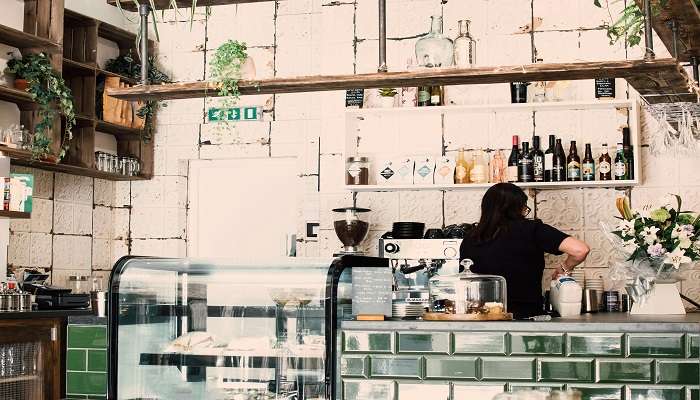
(72, 252)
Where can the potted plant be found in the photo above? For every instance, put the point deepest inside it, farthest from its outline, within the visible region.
(387, 97)
(16, 68)
(53, 97)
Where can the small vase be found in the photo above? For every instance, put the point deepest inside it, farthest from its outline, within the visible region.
(434, 49)
(386, 102)
(21, 84)
(663, 299)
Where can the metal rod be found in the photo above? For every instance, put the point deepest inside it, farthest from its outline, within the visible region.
(382, 37)
(648, 33)
(674, 29)
(694, 62)
(144, 11)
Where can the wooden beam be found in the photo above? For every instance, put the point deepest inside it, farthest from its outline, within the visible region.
(687, 17)
(443, 76)
(165, 4)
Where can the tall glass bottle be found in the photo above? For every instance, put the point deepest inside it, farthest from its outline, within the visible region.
(499, 170)
(549, 159)
(588, 165)
(465, 46)
(513, 160)
(525, 167)
(573, 164)
(434, 49)
(620, 167)
(461, 168)
(480, 168)
(605, 165)
(559, 163)
(537, 160)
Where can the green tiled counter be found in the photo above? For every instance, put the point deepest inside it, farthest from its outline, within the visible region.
(605, 356)
(86, 358)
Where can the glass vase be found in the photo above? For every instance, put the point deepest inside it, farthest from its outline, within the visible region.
(465, 46)
(434, 49)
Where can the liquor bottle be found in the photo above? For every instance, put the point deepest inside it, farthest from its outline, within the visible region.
(525, 167)
(513, 160)
(461, 168)
(629, 151)
(423, 96)
(499, 169)
(620, 166)
(537, 160)
(588, 165)
(465, 46)
(480, 169)
(604, 165)
(548, 159)
(573, 164)
(559, 163)
(436, 95)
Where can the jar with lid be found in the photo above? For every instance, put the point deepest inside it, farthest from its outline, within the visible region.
(78, 284)
(357, 171)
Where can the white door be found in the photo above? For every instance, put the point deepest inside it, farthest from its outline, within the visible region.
(243, 208)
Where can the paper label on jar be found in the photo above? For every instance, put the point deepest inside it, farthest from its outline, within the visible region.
(354, 170)
(387, 173)
(424, 171)
(444, 171)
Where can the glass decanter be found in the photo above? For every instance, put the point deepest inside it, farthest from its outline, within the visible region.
(465, 46)
(434, 49)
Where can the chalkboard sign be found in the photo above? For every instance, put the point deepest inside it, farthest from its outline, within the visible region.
(371, 291)
(605, 88)
(354, 98)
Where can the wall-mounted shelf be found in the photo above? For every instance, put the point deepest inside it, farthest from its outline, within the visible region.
(20, 97)
(123, 78)
(480, 186)
(165, 4)
(15, 214)
(77, 68)
(22, 40)
(119, 131)
(687, 17)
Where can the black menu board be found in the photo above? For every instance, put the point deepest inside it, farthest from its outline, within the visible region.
(354, 98)
(371, 291)
(605, 88)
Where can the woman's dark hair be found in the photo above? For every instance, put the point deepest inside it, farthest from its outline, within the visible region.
(501, 204)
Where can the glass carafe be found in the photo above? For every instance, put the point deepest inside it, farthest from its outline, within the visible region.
(434, 49)
(465, 46)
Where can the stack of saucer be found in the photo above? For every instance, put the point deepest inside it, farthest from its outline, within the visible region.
(579, 276)
(595, 284)
(406, 310)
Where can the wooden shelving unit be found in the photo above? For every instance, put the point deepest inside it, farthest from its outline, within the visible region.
(165, 4)
(647, 75)
(687, 17)
(15, 214)
(27, 41)
(19, 97)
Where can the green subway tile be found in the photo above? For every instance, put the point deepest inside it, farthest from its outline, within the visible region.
(375, 342)
(627, 371)
(650, 392)
(353, 366)
(97, 397)
(598, 392)
(536, 343)
(427, 342)
(694, 394)
(679, 372)
(87, 337)
(694, 343)
(76, 360)
(510, 369)
(583, 344)
(97, 360)
(565, 370)
(542, 387)
(451, 368)
(86, 383)
(474, 391)
(367, 389)
(656, 345)
(423, 391)
(396, 367)
(480, 343)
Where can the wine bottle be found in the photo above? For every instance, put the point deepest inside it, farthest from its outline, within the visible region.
(573, 164)
(537, 160)
(604, 165)
(436, 95)
(423, 96)
(461, 168)
(513, 160)
(620, 166)
(588, 165)
(559, 163)
(629, 153)
(525, 164)
(548, 159)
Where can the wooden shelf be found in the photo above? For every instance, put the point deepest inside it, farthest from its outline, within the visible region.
(14, 215)
(477, 186)
(76, 68)
(19, 97)
(648, 75)
(119, 131)
(165, 4)
(84, 121)
(23, 157)
(687, 17)
(22, 40)
(123, 78)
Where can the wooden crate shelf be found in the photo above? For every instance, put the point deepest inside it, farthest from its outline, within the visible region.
(19, 97)
(165, 4)
(15, 215)
(22, 40)
(76, 68)
(119, 131)
(123, 78)
(687, 17)
(653, 72)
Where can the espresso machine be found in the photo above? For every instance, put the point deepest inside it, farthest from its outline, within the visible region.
(415, 261)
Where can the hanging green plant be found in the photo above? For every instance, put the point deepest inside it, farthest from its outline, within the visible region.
(50, 92)
(226, 69)
(128, 65)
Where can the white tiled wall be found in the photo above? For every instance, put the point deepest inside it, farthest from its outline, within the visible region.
(302, 37)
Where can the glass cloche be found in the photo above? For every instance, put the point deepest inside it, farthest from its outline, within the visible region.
(468, 293)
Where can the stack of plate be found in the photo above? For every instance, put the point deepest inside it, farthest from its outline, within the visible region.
(579, 275)
(595, 284)
(408, 230)
(404, 310)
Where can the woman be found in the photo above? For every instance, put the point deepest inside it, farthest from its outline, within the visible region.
(505, 243)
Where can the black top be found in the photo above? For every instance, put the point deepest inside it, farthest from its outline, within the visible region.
(518, 256)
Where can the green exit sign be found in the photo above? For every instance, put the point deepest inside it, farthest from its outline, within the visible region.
(235, 114)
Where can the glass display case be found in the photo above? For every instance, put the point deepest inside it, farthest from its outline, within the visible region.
(189, 329)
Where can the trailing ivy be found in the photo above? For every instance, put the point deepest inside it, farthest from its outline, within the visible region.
(226, 69)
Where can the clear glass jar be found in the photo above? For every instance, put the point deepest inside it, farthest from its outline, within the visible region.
(78, 284)
(468, 293)
(357, 171)
(434, 49)
(465, 46)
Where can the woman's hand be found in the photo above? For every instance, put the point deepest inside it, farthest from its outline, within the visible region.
(558, 271)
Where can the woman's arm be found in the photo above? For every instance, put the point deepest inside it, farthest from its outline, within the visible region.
(576, 251)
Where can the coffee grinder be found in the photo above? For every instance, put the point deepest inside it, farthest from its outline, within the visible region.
(350, 228)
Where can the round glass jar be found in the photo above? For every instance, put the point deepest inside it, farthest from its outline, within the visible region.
(357, 171)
